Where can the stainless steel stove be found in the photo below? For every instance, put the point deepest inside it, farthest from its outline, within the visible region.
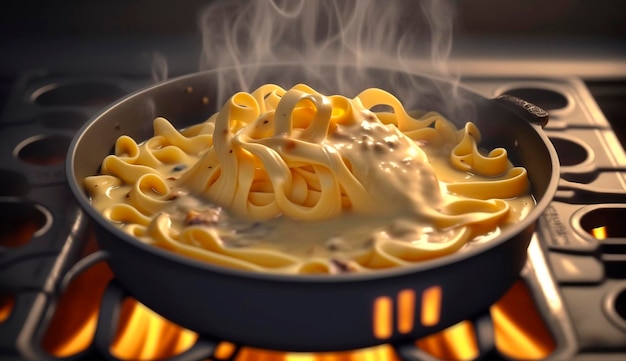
(59, 302)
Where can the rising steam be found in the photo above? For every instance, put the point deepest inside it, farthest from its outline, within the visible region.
(331, 39)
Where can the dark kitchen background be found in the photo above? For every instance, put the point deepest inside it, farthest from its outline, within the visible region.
(73, 34)
(491, 38)
(62, 61)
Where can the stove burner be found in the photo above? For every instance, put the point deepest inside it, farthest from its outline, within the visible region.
(111, 322)
(77, 93)
(59, 300)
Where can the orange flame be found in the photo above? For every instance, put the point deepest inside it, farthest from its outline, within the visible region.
(17, 233)
(73, 324)
(383, 309)
(7, 303)
(431, 306)
(406, 310)
(520, 332)
(599, 233)
(454, 343)
(144, 335)
(383, 352)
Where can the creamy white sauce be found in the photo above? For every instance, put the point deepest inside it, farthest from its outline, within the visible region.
(403, 178)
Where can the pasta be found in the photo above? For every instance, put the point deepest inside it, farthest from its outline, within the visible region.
(294, 181)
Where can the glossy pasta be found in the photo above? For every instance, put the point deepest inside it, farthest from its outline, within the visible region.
(294, 181)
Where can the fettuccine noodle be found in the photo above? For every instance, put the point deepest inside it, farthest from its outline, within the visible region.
(294, 181)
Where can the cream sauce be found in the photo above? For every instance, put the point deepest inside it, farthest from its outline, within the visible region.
(405, 180)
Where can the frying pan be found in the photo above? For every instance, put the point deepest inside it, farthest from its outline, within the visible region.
(313, 312)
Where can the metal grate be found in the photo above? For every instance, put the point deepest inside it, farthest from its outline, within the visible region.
(574, 280)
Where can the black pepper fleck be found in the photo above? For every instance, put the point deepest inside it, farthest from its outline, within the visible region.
(341, 266)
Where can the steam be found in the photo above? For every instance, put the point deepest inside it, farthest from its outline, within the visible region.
(329, 44)
(440, 20)
(159, 67)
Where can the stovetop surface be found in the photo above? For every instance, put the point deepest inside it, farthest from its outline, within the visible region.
(578, 282)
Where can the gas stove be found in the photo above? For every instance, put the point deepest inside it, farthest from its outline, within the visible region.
(59, 301)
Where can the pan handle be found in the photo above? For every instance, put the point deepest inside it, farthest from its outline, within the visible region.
(528, 110)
